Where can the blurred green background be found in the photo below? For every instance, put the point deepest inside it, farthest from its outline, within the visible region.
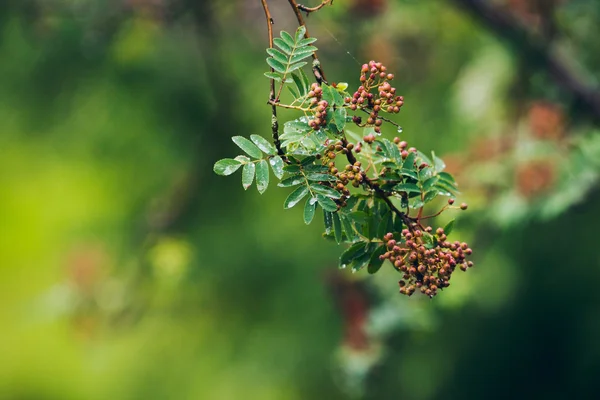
(128, 270)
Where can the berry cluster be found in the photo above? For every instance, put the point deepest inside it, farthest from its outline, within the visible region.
(425, 266)
(320, 107)
(374, 76)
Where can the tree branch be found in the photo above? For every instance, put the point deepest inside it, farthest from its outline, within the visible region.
(316, 67)
(537, 51)
(274, 120)
(309, 10)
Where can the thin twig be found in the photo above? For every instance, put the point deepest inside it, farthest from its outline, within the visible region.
(308, 10)
(316, 67)
(383, 118)
(274, 120)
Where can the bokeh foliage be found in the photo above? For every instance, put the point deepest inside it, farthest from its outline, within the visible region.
(129, 270)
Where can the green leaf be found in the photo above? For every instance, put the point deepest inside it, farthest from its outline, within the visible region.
(295, 197)
(443, 185)
(273, 75)
(288, 39)
(292, 181)
(429, 196)
(277, 55)
(326, 191)
(263, 144)
(409, 162)
(293, 92)
(292, 168)
(447, 177)
(360, 262)
(438, 163)
(248, 175)
(374, 262)
(349, 229)
(321, 177)
(337, 227)
(242, 159)
(327, 204)
(359, 217)
(339, 118)
(429, 183)
(277, 166)
(332, 96)
(328, 222)
(248, 147)
(356, 250)
(407, 187)
(293, 67)
(262, 176)
(449, 227)
(309, 210)
(300, 32)
(300, 85)
(424, 158)
(316, 168)
(410, 173)
(226, 166)
(306, 41)
(286, 48)
(276, 65)
(305, 81)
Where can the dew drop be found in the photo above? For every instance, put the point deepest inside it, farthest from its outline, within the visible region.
(400, 129)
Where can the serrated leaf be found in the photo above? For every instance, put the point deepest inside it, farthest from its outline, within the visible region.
(292, 168)
(287, 49)
(438, 163)
(226, 166)
(339, 118)
(449, 227)
(295, 197)
(332, 96)
(288, 39)
(304, 51)
(263, 144)
(409, 173)
(292, 181)
(293, 67)
(447, 177)
(300, 32)
(424, 158)
(309, 210)
(248, 175)
(273, 75)
(337, 227)
(316, 168)
(302, 88)
(326, 191)
(306, 41)
(321, 177)
(409, 162)
(352, 252)
(360, 262)
(407, 187)
(359, 217)
(351, 235)
(276, 65)
(293, 92)
(429, 196)
(326, 203)
(304, 78)
(328, 222)
(429, 183)
(262, 176)
(247, 146)
(374, 262)
(308, 160)
(242, 159)
(444, 186)
(277, 166)
(277, 55)
(299, 57)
